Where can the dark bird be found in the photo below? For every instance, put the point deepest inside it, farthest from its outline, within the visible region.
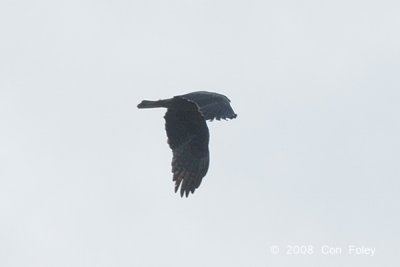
(187, 132)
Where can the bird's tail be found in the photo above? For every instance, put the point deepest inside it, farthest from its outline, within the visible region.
(153, 104)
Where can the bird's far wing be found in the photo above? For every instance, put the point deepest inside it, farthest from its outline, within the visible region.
(188, 138)
(211, 105)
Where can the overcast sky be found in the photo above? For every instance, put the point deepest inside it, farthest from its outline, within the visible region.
(312, 158)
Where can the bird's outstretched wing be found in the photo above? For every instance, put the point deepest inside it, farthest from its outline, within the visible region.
(211, 105)
(188, 138)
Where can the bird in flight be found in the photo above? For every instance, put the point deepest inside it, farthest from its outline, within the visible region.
(187, 132)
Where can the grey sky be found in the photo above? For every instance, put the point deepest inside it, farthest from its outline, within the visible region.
(312, 159)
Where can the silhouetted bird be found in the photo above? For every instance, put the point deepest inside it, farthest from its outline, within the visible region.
(188, 133)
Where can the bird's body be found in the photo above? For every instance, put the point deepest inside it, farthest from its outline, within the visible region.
(188, 135)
